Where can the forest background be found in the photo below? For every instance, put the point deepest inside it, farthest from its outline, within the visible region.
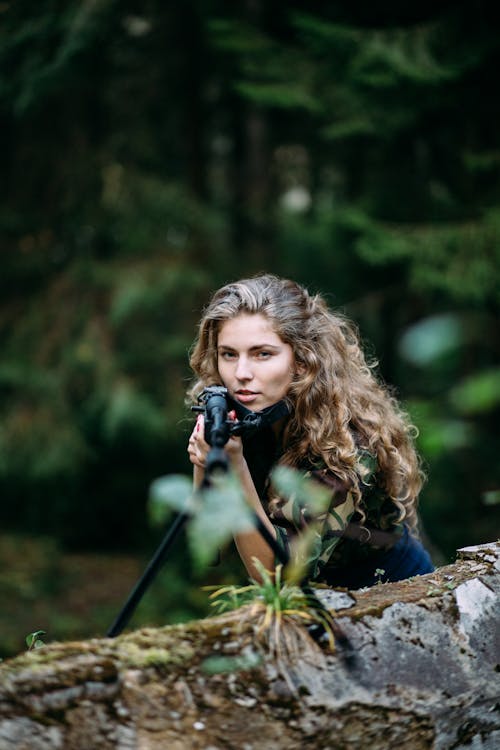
(153, 151)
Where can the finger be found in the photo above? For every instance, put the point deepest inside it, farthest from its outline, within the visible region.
(196, 458)
(197, 449)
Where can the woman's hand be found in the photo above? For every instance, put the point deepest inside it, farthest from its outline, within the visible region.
(250, 544)
(198, 448)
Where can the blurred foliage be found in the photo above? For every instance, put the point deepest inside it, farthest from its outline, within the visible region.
(71, 595)
(215, 512)
(155, 151)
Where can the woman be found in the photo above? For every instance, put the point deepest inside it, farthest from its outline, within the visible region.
(282, 353)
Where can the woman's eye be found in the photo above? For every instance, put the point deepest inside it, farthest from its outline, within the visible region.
(227, 355)
(264, 355)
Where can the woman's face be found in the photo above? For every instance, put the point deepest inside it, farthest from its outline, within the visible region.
(255, 365)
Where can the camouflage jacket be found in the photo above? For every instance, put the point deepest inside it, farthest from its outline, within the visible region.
(336, 536)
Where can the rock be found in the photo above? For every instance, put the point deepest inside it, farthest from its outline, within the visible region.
(424, 673)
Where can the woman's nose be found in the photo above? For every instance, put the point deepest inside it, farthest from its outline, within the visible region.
(243, 369)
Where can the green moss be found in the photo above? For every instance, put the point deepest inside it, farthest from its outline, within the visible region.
(154, 648)
(132, 655)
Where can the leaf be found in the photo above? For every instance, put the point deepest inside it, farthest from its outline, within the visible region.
(429, 339)
(222, 512)
(306, 548)
(491, 497)
(172, 492)
(439, 436)
(285, 96)
(478, 393)
(307, 492)
(33, 640)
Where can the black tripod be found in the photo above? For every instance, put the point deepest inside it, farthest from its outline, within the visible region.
(217, 432)
(218, 429)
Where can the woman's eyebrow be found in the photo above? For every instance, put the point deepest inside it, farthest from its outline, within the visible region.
(264, 346)
(255, 347)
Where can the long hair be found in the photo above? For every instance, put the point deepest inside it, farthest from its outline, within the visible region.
(338, 405)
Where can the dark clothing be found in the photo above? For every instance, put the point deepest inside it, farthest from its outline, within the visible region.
(405, 559)
(344, 551)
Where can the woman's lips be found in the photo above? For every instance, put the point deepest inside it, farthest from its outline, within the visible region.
(246, 397)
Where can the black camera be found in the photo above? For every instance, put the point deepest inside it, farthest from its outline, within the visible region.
(213, 404)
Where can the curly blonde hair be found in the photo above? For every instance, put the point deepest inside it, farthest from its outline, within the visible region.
(338, 406)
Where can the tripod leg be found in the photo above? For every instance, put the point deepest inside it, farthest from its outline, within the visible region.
(147, 577)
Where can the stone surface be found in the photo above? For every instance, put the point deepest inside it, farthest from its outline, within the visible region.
(424, 672)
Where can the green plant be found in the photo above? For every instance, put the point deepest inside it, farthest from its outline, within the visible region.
(276, 606)
(379, 572)
(433, 591)
(221, 510)
(33, 640)
(216, 513)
